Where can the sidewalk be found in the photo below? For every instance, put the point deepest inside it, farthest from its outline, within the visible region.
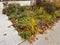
(8, 36)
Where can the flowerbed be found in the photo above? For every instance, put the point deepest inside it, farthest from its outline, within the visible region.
(30, 23)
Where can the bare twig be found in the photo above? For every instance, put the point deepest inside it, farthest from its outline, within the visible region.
(21, 42)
